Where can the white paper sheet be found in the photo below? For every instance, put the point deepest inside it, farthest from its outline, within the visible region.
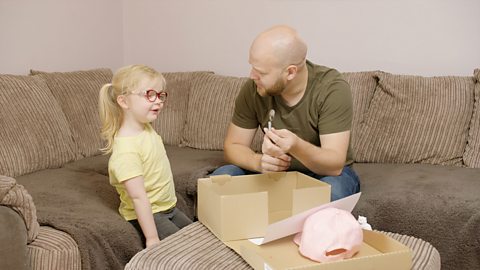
(294, 224)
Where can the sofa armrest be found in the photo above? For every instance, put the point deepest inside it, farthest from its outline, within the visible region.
(13, 239)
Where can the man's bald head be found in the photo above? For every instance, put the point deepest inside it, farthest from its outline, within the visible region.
(280, 45)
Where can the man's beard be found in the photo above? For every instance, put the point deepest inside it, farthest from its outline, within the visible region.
(276, 89)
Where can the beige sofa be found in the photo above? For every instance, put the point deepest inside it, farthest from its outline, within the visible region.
(416, 142)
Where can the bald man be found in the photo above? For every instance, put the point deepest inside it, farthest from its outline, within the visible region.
(310, 127)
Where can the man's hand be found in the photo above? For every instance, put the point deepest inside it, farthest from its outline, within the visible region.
(273, 159)
(283, 139)
(273, 164)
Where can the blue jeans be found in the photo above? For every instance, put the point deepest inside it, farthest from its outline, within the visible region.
(346, 184)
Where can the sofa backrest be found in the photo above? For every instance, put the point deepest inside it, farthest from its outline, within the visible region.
(397, 118)
(171, 122)
(34, 132)
(77, 93)
(414, 119)
(206, 110)
(49, 119)
(472, 151)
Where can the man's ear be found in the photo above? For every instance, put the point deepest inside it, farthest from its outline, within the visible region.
(292, 72)
(122, 101)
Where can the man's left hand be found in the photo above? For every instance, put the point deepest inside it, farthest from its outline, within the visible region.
(283, 138)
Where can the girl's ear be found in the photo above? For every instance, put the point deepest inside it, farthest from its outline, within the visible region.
(122, 101)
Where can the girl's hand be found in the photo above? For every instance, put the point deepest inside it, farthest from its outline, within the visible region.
(152, 242)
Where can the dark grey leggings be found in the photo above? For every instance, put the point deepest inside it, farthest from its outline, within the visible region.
(167, 223)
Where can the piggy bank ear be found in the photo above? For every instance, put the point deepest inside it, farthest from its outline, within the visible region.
(330, 234)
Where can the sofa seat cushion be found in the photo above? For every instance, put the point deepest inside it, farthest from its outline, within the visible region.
(439, 204)
(53, 250)
(189, 164)
(84, 205)
(98, 164)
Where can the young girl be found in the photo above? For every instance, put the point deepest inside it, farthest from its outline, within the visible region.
(138, 167)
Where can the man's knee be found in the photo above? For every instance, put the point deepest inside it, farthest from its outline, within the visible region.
(229, 170)
(343, 185)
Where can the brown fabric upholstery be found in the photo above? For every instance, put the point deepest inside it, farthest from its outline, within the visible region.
(425, 256)
(171, 120)
(53, 250)
(189, 164)
(13, 239)
(77, 93)
(472, 151)
(362, 85)
(210, 105)
(16, 197)
(415, 119)
(34, 132)
(84, 205)
(439, 204)
(195, 247)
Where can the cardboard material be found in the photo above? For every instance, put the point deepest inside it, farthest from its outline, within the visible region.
(242, 207)
(377, 252)
(272, 208)
(294, 224)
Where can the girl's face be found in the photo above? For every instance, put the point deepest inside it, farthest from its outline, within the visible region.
(140, 108)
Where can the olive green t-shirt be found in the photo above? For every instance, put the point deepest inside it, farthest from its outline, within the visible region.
(326, 107)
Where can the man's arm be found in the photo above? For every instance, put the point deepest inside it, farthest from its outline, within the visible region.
(329, 159)
(238, 152)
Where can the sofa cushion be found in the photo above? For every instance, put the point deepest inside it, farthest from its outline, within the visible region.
(84, 205)
(34, 131)
(439, 204)
(210, 109)
(189, 164)
(171, 120)
(413, 119)
(53, 249)
(472, 150)
(77, 92)
(363, 86)
(17, 197)
(13, 236)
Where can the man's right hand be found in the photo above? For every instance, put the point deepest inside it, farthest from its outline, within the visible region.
(274, 164)
(273, 158)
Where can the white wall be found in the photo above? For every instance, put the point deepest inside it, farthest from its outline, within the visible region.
(60, 35)
(423, 37)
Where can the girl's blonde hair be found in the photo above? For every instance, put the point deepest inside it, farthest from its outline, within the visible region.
(124, 81)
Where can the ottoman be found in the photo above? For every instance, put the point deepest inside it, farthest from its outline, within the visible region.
(195, 247)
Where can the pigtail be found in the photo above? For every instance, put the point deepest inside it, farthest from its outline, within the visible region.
(110, 115)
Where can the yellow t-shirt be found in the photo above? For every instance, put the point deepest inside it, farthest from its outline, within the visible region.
(142, 155)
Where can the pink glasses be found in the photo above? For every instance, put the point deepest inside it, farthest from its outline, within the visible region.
(152, 95)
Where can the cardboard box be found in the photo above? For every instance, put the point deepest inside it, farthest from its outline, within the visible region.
(377, 252)
(241, 207)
